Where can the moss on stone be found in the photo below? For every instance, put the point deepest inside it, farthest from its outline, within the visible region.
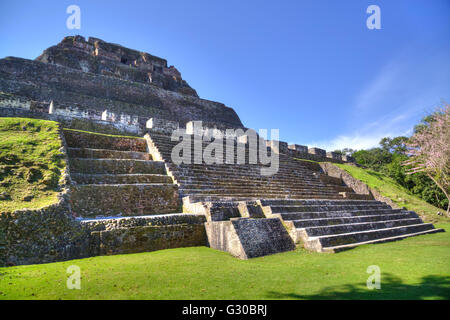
(31, 163)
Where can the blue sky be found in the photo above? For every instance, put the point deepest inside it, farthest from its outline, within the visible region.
(309, 68)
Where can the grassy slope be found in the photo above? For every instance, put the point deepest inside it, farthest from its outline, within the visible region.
(30, 162)
(399, 195)
(415, 268)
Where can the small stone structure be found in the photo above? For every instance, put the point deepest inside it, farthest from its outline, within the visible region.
(249, 238)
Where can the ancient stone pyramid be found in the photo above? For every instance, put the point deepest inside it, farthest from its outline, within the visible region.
(128, 193)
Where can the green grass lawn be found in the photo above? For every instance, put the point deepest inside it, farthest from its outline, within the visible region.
(399, 195)
(414, 268)
(31, 163)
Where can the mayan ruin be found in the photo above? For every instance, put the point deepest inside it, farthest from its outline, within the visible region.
(118, 110)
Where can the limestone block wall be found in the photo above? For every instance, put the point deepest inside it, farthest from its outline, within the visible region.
(40, 236)
(248, 238)
(49, 82)
(107, 200)
(97, 56)
(146, 238)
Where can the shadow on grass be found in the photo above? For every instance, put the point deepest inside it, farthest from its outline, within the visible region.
(392, 287)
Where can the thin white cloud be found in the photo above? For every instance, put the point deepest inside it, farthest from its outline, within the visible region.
(383, 83)
(356, 141)
(393, 102)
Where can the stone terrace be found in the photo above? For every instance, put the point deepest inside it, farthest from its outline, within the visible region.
(120, 195)
(332, 226)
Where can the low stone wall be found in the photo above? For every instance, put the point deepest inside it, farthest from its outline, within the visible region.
(40, 236)
(146, 238)
(142, 221)
(78, 123)
(100, 141)
(358, 186)
(128, 199)
(319, 157)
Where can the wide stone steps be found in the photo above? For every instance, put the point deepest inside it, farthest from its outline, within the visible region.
(232, 156)
(200, 181)
(264, 193)
(242, 164)
(246, 170)
(334, 225)
(225, 181)
(318, 222)
(107, 154)
(242, 179)
(243, 189)
(332, 243)
(310, 232)
(325, 202)
(232, 176)
(331, 207)
(82, 139)
(241, 167)
(254, 175)
(285, 161)
(343, 247)
(82, 178)
(92, 200)
(165, 145)
(256, 196)
(116, 166)
(337, 214)
(114, 176)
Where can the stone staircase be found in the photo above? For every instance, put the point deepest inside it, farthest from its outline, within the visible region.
(336, 225)
(320, 211)
(126, 194)
(115, 176)
(219, 182)
(125, 200)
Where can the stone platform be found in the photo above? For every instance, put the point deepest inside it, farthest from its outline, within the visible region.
(247, 238)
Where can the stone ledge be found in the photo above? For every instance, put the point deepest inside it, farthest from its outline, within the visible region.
(146, 238)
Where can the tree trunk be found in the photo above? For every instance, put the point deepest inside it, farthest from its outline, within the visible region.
(443, 190)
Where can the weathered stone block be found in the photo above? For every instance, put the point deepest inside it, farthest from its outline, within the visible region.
(333, 155)
(278, 146)
(194, 127)
(346, 158)
(317, 151)
(249, 238)
(147, 238)
(124, 199)
(79, 139)
(162, 125)
(298, 148)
